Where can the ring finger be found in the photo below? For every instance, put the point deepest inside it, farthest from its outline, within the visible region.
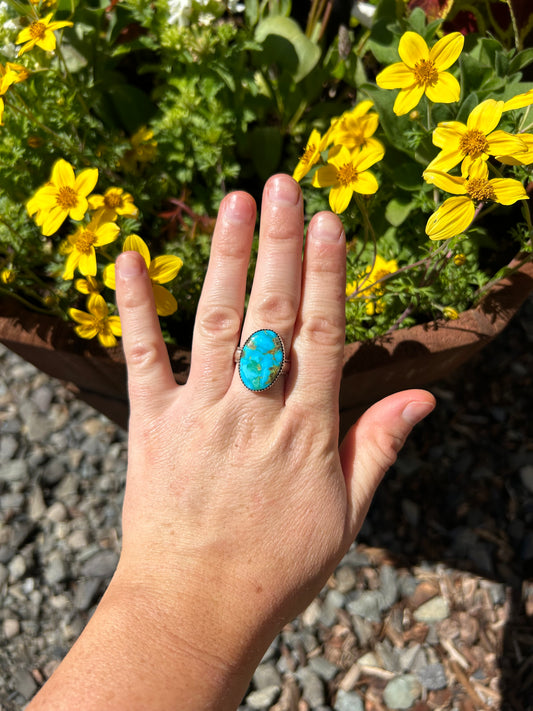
(276, 290)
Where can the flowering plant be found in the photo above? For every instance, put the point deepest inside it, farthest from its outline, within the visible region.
(124, 124)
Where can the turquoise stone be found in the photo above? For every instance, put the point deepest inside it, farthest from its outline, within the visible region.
(261, 360)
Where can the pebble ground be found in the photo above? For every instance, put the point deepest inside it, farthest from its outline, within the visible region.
(431, 609)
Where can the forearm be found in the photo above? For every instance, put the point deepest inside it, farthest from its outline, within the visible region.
(137, 656)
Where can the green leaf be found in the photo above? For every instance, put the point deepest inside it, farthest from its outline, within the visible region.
(285, 43)
(398, 209)
(521, 60)
(467, 106)
(265, 145)
(417, 21)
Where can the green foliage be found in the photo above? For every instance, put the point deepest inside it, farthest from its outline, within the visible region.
(178, 107)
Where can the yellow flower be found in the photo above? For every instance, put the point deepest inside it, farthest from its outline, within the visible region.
(97, 322)
(10, 74)
(459, 260)
(477, 140)
(456, 213)
(7, 276)
(355, 128)
(314, 147)
(422, 71)
(160, 270)
(89, 285)
(112, 203)
(63, 196)
(83, 242)
(524, 157)
(143, 149)
(366, 287)
(346, 173)
(519, 101)
(450, 313)
(40, 33)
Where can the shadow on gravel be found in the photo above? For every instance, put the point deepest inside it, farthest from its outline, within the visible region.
(462, 492)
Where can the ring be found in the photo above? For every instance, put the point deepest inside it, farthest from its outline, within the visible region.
(261, 360)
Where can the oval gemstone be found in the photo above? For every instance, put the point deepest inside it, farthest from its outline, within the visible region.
(261, 360)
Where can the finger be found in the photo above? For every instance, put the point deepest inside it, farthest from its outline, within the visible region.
(372, 445)
(150, 377)
(319, 336)
(220, 309)
(275, 295)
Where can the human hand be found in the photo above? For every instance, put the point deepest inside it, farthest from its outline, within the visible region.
(238, 504)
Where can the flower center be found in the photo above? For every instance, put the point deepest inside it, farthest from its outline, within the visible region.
(37, 30)
(425, 72)
(112, 200)
(346, 174)
(85, 241)
(67, 197)
(474, 143)
(480, 190)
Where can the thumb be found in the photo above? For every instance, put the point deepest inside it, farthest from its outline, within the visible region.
(372, 445)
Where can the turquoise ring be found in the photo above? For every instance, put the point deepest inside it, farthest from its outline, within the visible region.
(261, 360)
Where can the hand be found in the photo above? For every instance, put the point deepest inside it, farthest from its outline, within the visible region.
(239, 505)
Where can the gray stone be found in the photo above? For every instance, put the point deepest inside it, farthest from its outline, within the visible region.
(100, 565)
(433, 610)
(348, 701)
(312, 687)
(10, 627)
(57, 512)
(24, 683)
(17, 568)
(433, 677)
(367, 606)
(86, 592)
(325, 670)
(8, 447)
(42, 398)
(388, 579)
(333, 601)
(15, 470)
(36, 505)
(345, 579)
(266, 675)
(402, 691)
(263, 698)
(55, 571)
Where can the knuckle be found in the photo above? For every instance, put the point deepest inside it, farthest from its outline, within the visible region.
(222, 322)
(387, 446)
(144, 354)
(324, 331)
(277, 307)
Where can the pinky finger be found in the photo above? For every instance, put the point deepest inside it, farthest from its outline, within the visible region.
(150, 377)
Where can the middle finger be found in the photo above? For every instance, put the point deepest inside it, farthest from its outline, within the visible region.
(276, 289)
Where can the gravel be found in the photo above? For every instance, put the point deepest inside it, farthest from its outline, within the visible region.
(432, 608)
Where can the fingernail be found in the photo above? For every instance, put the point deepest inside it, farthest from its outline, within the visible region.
(239, 208)
(129, 264)
(326, 227)
(284, 190)
(416, 411)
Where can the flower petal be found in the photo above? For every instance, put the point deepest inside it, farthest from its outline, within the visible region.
(71, 265)
(78, 211)
(97, 306)
(87, 264)
(365, 183)
(447, 50)
(47, 42)
(325, 176)
(503, 143)
(450, 183)
(115, 325)
(81, 317)
(446, 89)
(486, 116)
(86, 330)
(165, 303)
(395, 76)
(448, 134)
(106, 338)
(164, 269)
(517, 102)
(407, 99)
(137, 244)
(107, 232)
(53, 220)
(109, 276)
(412, 48)
(339, 198)
(453, 217)
(445, 161)
(367, 157)
(508, 191)
(86, 181)
(62, 174)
